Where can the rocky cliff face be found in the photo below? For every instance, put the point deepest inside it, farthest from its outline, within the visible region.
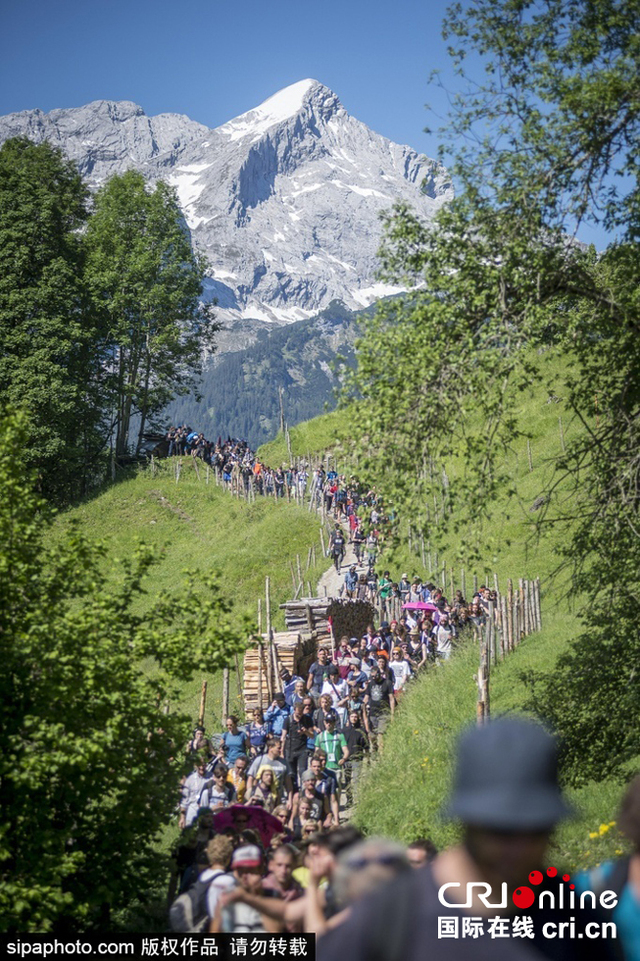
(283, 201)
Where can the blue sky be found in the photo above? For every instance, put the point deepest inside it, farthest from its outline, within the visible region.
(213, 60)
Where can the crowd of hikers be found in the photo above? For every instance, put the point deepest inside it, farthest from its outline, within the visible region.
(264, 809)
(266, 842)
(263, 847)
(239, 467)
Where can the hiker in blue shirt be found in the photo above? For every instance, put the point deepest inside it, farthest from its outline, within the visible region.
(276, 713)
(350, 582)
(289, 682)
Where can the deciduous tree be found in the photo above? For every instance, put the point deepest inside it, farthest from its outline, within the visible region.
(49, 359)
(146, 284)
(89, 761)
(548, 141)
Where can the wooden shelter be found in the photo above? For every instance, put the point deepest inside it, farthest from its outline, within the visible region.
(309, 622)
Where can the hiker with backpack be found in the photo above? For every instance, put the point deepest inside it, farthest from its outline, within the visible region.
(193, 910)
(358, 539)
(234, 741)
(337, 547)
(235, 916)
(372, 550)
(218, 793)
(350, 583)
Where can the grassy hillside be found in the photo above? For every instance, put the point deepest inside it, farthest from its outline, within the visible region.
(200, 526)
(405, 790)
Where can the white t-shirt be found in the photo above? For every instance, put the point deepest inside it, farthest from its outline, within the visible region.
(220, 882)
(337, 690)
(443, 638)
(191, 791)
(401, 672)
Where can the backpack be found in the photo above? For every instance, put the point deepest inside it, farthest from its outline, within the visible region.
(188, 913)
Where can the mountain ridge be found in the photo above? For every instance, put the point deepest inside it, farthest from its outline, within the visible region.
(283, 200)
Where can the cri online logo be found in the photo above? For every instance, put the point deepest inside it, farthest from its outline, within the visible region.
(524, 896)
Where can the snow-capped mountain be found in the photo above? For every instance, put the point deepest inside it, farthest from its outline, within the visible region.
(284, 200)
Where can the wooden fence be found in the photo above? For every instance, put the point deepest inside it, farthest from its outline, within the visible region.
(514, 615)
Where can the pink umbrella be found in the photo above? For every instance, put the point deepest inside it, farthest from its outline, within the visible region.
(419, 606)
(241, 817)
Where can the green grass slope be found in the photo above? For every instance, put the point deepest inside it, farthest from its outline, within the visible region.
(405, 789)
(200, 526)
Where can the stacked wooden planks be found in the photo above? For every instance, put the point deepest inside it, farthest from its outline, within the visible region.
(309, 622)
(263, 662)
(307, 614)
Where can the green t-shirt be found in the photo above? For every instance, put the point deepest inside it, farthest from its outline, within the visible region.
(332, 745)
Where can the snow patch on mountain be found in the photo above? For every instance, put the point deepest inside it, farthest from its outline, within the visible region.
(281, 106)
(283, 201)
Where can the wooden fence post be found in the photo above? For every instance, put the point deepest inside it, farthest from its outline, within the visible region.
(505, 625)
(225, 693)
(238, 677)
(203, 704)
(510, 613)
(272, 659)
(483, 712)
(491, 626)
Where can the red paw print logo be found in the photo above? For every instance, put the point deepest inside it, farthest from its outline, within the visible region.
(523, 897)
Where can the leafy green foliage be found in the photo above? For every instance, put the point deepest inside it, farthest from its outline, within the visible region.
(145, 282)
(89, 761)
(550, 143)
(49, 365)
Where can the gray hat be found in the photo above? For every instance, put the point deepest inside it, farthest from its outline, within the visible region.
(507, 777)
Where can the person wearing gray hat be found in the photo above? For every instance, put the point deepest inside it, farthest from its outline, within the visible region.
(506, 778)
(507, 795)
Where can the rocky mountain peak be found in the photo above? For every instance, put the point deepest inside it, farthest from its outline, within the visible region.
(307, 98)
(284, 201)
